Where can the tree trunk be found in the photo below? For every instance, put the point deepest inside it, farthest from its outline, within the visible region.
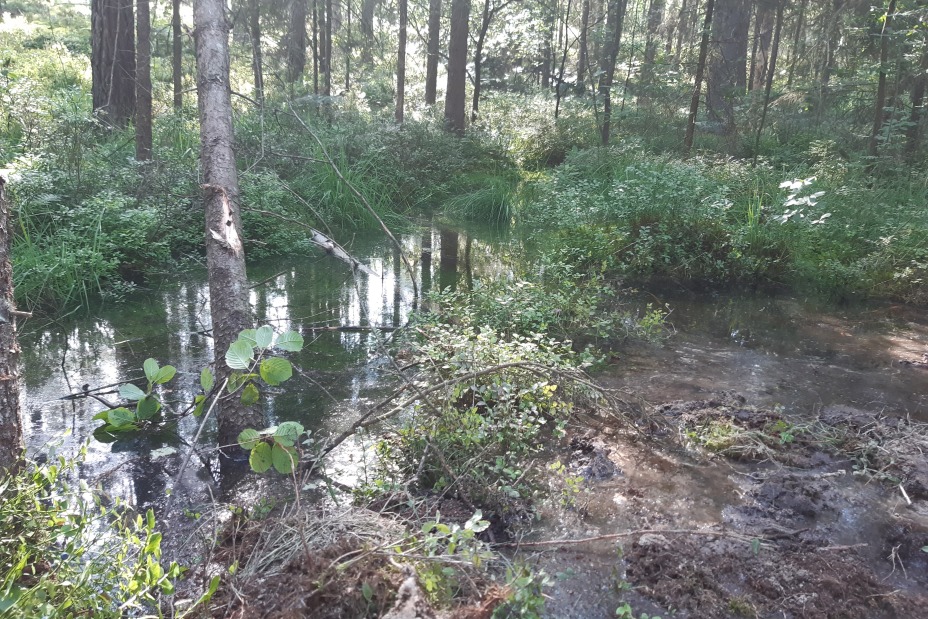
(913, 133)
(143, 83)
(682, 28)
(760, 56)
(348, 45)
(697, 87)
(254, 33)
(655, 18)
(327, 27)
(879, 111)
(797, 53)
(112, 60)
(177, 56)
(832, 36)
(431, 61)
(584, 55)
(368, 8)
(296, 41)
(315, 43)
(565, 41)
(11, 429)
(478, 57)
(770, 75)
(727, 70)
(614, 20)
(401, 64)
(225, 255)
(455, 95)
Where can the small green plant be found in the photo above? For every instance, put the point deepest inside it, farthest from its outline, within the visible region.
(625, 612)
(527, 599)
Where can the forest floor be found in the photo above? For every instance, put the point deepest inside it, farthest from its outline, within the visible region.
(717, 509)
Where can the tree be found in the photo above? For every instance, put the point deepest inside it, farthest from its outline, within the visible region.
(11, 429)
(143, 83)
(177, 55)
(490, 11)
(880, 104)
(727, 69)
(296, 41)
(254, 34)
(614, 20)
(583, 56)
(225, 254)
(781, 4)
(112, 60)
(655, 18)
(431, 62)
(455, 94)
(401, 64)
(697, 86)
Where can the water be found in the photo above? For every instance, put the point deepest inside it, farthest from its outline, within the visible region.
(773, 350)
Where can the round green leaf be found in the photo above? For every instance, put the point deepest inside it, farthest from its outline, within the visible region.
(275, 370)
(249, 336)
(130, 392)
(198, 402)
(248, 438)
(260, 458)
(290, 341)
(288, 433)
(250, 394)
(239, 355)
(264, 336)
(120, 417)
(207, 380)
(165, 374)
(284, 458)
(151, 369)
(147, 407)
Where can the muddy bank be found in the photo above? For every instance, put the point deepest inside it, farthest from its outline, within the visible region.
(737, 511)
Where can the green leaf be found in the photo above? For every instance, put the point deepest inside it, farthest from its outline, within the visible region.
(275, 370)
(130, 392)
(198, 402)
(165, 374)
(290, 341)
(260, 458)
(237, 380)
(248, 336)
(104, 415)
(288, 433)
(120, 417)
(151, 369)
(147, 407)
(264, 336)
(284, 458)
(103, 434)
(250, 394)
(248, 438)
(239, 355)
(207, 380)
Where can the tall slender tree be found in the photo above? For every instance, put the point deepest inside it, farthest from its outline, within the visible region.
(401, 63)
(727, 69)
(489, 13)
(879, 112)
(143, 82)
(254, 34)
(697, 80)
(655, 18)
(11, 429)
(614, 20)
(455, 94)
(432, 51)
(225, 254)
(583, 58)
(296, 40)
(177, 56)
(112, 60)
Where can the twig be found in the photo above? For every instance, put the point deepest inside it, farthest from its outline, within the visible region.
(836, 548)
(611, 536)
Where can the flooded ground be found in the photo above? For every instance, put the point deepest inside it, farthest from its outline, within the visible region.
(783, 354)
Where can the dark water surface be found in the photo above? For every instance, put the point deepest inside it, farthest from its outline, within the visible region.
(773, 350)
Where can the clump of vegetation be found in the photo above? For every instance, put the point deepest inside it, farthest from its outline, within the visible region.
(66, 553)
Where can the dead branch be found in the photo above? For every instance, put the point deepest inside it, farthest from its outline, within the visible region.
(612, 536)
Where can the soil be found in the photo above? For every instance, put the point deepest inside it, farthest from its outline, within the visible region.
(785, 530)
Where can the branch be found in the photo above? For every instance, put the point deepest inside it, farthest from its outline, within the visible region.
(611, 536)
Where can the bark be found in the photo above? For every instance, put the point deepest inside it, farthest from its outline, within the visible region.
(614, 20)
(880, 104)
(697, 87)
(112, 60)
(143, 83)
(431, 62)
(455, 95)
(797, 42)
(584, 55)
(565, 41)
(225, 255)
(368, 9)
(401, 63)
(177, 55)
(763, 30)
(655, 18)
(254, 33)
(727, 69)
(770, 74)
(315, 44)
(348, 45)
(913, 133)
(682, 28)
(327, 54)
(296, 41)
(832, 36)
(11, 429)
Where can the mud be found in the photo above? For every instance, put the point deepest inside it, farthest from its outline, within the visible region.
(816, 526)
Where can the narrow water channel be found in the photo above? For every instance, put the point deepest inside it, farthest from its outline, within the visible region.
(773, 350)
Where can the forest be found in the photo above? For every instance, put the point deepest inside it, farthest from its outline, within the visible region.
(499, 308)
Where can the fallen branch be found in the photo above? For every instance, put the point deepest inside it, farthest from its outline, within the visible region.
(611, 536)
(348, 328)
